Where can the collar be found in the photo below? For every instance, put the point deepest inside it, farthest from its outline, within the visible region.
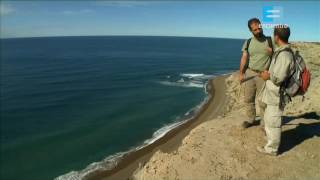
(279, 48)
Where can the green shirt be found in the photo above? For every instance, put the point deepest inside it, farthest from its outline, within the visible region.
(259, 58)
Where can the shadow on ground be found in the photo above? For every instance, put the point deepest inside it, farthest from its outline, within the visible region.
(302, 131)
(309, 115)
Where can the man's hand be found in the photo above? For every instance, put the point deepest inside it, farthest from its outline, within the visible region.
(265, 75)
(241, 77)
(243, 66)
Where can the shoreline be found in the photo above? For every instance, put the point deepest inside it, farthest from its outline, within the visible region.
(169, 142)
(194, 148)
(220, 149)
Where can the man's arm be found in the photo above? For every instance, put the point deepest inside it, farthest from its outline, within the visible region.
(243, 65)
(281, 68)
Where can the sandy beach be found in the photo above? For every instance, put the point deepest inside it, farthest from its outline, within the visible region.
(173, 139)
(214, 146)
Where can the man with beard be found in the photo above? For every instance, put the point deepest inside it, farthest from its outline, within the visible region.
(256, 57)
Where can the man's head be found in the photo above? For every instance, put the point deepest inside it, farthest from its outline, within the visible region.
(281, 34)
(254, 26)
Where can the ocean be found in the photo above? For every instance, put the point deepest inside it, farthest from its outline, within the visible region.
(67, 102)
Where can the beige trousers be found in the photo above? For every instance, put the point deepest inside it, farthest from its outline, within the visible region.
(251, 88)
(272, 120)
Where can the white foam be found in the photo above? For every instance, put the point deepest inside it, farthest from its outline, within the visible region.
(106, 164)
(182, 84)
(199, 76)
(163, 131)
(191, 75)
(181, 80)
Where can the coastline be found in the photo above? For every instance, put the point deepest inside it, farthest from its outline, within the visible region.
(220, 149)
(213, 108)
(212, 145)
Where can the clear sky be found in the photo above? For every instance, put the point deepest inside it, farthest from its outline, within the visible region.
(165, 18)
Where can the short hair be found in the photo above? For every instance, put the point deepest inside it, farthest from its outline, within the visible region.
(282, 31)
(253, 20)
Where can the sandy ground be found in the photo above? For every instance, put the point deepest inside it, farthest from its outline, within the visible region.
(220, 149)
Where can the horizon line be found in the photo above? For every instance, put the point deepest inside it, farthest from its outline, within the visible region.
(208, 37)
(51, 36)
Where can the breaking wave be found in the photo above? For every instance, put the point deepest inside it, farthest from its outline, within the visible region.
(187, 80)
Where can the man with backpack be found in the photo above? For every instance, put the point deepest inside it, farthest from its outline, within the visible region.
(256, 57)
(281, 70)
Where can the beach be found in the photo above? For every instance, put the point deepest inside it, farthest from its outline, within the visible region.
(214, 146)
(171, 141)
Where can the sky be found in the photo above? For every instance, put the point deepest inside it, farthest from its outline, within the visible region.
(226, 19)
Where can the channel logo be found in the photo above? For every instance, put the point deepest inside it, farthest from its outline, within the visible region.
(272, 14)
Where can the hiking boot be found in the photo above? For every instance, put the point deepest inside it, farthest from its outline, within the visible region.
(255, 123)
(247, 124)
(263, 151)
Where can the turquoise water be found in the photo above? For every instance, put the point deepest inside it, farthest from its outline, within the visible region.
(69, 101)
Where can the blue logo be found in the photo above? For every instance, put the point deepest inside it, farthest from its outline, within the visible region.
(272, 14)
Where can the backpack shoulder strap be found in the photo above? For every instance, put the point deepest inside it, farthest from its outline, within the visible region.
(248, 43)
(268, 39)
(285, 49)
(270, 42)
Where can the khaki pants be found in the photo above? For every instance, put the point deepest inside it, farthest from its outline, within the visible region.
(252, 87)
(272, 120)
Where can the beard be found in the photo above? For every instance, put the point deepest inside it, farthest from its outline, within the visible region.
(259, 35)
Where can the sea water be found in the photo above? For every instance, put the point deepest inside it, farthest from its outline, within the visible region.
(67, 102)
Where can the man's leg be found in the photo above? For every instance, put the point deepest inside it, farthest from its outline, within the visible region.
(272, 118)
(249, 88)
(260, 83)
